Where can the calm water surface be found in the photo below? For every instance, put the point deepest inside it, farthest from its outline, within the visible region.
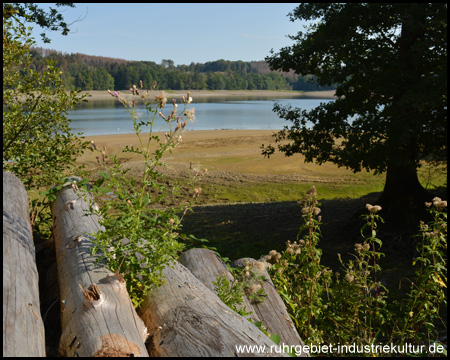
(109, 117)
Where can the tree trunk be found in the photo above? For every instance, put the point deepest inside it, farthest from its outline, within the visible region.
(185, 318)
(98, 318)
(205, 265)
(272, 311)
(23, 328)
(403, 200)
(403, 197)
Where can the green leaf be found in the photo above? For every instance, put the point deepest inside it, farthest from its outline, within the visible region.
(275, 338)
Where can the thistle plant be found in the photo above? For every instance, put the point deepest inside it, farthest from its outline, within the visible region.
(423, 304)
(356, 310)
(298, 275)
(353, 308)
(245, 283)
(141, 233)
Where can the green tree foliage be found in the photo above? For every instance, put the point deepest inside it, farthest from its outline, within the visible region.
(389, 62)
(51, 20)
(91, 73)
(37, 143)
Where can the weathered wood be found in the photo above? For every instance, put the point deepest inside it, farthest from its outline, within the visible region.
(272, 311)
(185, 318)
(23, 328)
(206, 265)
(97, 315)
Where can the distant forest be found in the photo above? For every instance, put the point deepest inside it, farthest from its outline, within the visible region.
(89, 72)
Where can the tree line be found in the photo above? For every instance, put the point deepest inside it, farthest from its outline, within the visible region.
(88, 72)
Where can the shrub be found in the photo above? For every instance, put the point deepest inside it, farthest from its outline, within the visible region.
(354, 308)
(141, 234)
(38, 146)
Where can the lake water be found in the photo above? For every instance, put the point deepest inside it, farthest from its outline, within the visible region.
(110, 117)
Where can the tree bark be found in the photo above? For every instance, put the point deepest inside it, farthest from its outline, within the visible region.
(403, 200)
(97, 315)
(205, 265)
(23, 328)
(272, 311)
(185, 318)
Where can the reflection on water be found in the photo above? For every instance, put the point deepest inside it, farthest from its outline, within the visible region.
(110, 117)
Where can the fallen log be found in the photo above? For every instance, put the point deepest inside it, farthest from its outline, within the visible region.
(205, 265)
(272, 311)
(23, 328)
(97, 315)
(185, 318)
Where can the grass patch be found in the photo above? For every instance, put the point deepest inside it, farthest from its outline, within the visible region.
(246, 192)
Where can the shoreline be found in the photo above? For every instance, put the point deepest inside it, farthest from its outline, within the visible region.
(191, 135)
(102, 95)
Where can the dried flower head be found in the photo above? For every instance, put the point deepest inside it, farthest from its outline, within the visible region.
(197, 192)
(439, 204)
(161, 99)
(190, 114)
(273, 257)
(254, 288)
(312, 191)
(349, 278)
(373, 209)
(260, 267)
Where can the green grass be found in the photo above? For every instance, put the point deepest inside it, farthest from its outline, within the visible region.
(347, 187)
(268, 192)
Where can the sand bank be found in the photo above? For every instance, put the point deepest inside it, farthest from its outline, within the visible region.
(211, 94)
(225, 153)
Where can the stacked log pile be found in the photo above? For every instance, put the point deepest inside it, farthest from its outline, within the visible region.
(183, 317)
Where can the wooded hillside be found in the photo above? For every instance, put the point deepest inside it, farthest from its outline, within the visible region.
(89, 72)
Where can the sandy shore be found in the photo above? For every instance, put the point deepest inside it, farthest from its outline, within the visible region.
(207, 94)
(227, 154)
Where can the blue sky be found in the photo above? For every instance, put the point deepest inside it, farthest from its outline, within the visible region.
(184, 33)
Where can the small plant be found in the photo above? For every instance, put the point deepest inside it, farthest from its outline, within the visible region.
(246, 283)
(354, 308)
(141, 231)
(422, 306)
(298, 275)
